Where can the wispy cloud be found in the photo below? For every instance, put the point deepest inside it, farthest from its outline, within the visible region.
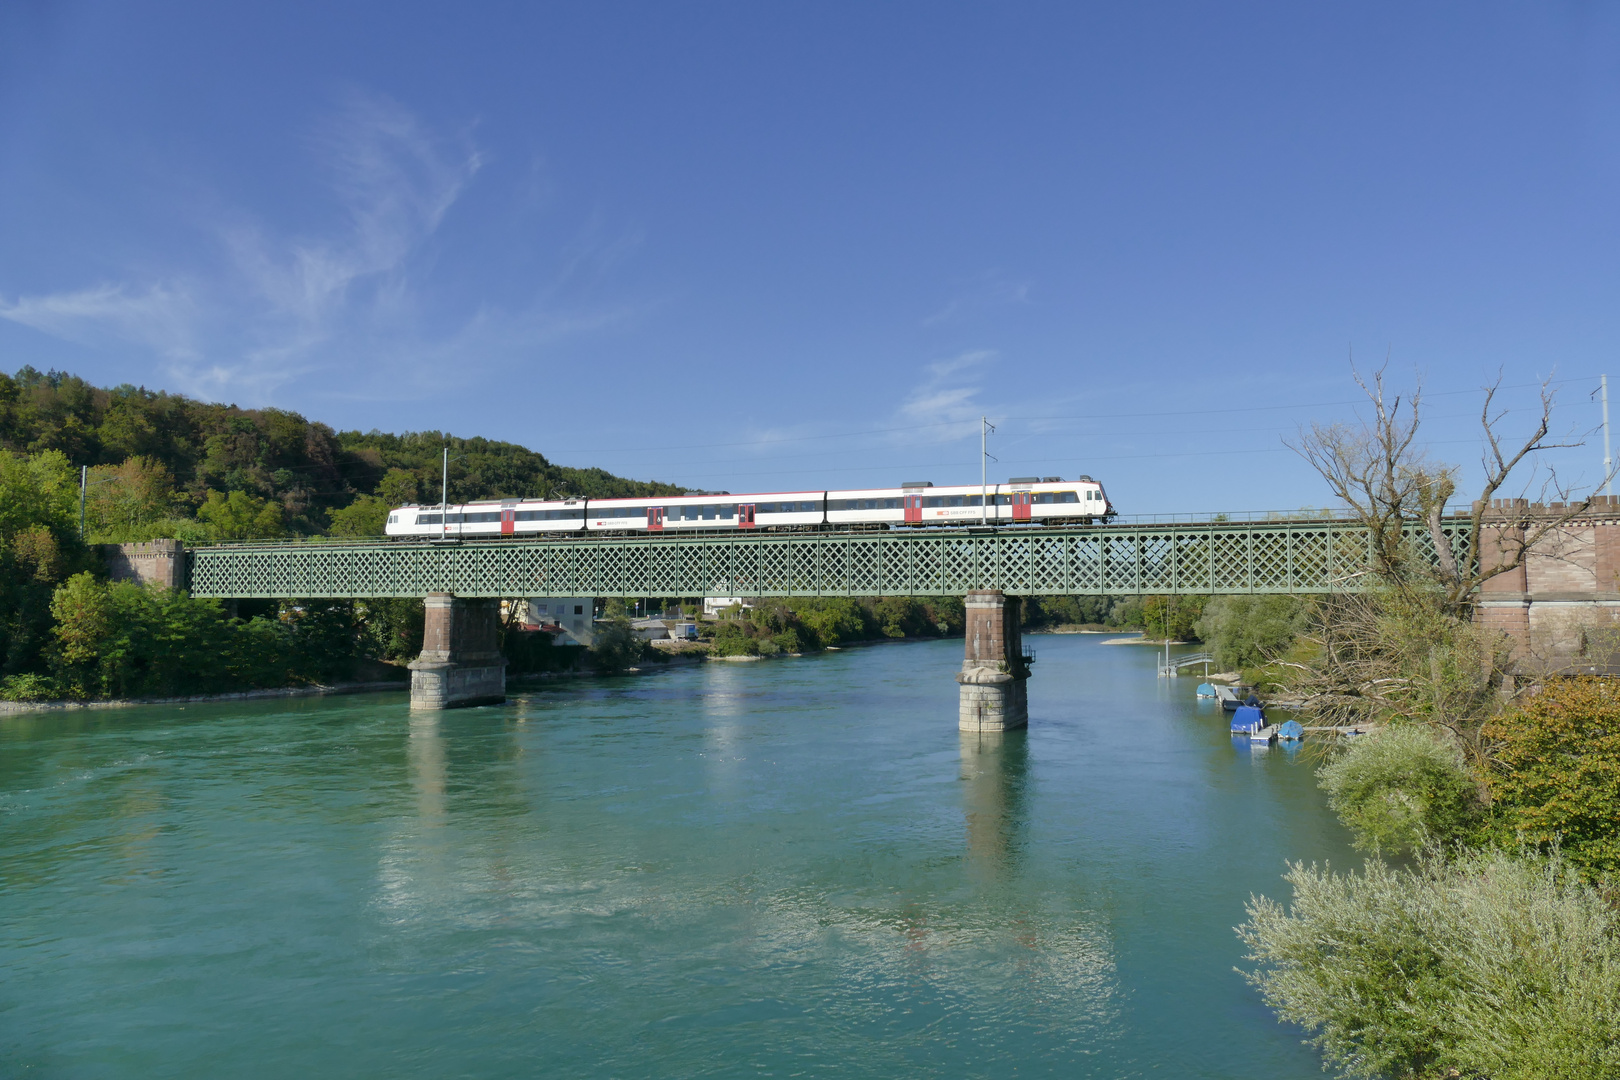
(949, 391)
(991, 292)
(159, 316)
(266, 305)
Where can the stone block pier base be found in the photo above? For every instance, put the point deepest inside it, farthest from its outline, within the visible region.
(995, 673)
(461, 662)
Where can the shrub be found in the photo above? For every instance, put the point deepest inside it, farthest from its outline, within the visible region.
(1401, 788)
(1489, 965)
(1555, 771)
(616, 647)
(735, 645)
(29, 687)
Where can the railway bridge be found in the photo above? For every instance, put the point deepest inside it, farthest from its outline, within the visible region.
(992, 567)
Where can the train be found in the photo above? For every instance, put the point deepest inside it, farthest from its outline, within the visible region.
(1028, 500)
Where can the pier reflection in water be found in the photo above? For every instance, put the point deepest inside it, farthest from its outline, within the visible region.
(727, 870)
(995, 768)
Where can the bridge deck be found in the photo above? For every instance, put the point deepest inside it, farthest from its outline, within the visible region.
(1304, 556)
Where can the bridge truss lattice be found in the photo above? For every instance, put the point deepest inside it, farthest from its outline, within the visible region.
(1303, 556)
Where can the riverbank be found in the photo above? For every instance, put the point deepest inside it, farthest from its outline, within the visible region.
(12, 707)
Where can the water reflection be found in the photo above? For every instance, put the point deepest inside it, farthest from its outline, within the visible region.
(425, 752)
(995, 768)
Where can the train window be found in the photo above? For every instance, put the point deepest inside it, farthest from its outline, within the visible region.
(954, 500)
(726, 512)
(1069, 497)
(708, 512)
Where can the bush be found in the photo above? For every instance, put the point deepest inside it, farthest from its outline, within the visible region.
(127, 640)
(1489, 965)
(1402, 788)
(616, 648)
(29, 687)
(1555, 771)
(1247, 631)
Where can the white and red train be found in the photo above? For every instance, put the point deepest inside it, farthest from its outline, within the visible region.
(1026, 500)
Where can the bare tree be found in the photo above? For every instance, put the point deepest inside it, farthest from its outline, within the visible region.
(1400, 495)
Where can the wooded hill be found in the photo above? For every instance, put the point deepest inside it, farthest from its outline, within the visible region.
(167, 465)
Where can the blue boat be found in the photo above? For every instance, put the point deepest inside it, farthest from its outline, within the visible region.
(1206, 690)
(1247, 719)
(1291, 731)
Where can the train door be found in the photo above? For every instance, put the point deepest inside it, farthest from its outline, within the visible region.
(745, 516)
(655, 518)
(914, 509)
(508, 521)
(1020, 505)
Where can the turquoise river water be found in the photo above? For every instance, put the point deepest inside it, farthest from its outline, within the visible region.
(792, 868)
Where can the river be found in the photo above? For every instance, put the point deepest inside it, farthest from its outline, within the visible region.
(789, 868)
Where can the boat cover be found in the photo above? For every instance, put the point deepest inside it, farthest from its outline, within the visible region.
(1291, 730)
(1247, 718)
(1205, 690)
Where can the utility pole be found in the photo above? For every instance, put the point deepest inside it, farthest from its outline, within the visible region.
(84, 473)
(444, 495)
(985, 428)
(1608, 461)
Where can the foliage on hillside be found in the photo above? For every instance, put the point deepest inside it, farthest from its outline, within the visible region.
(159, 460)
(39, 549)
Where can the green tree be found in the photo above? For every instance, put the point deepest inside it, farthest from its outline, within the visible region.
(616, 647)
(127, 500)
(1177, 615)
(240, 516)
(1554, 773)
(39, 548)
(1248, 631)
(398, 487)
(1403, 787)
(366, 516)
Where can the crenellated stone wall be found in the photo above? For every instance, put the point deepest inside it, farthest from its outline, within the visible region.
(1567, 584)
(155, 562)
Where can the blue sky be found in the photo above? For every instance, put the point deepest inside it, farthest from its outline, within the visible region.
(766, 246)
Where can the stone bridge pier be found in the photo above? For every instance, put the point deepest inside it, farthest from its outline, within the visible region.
(995, 670)
(461, 662)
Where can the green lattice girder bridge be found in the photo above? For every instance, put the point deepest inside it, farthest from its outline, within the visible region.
(1300, 556)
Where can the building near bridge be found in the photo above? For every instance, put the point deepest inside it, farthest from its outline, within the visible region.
(575, 616)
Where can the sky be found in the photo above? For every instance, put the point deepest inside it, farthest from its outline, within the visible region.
(799, 246)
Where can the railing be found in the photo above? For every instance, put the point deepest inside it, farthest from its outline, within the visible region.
(1173, 668)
